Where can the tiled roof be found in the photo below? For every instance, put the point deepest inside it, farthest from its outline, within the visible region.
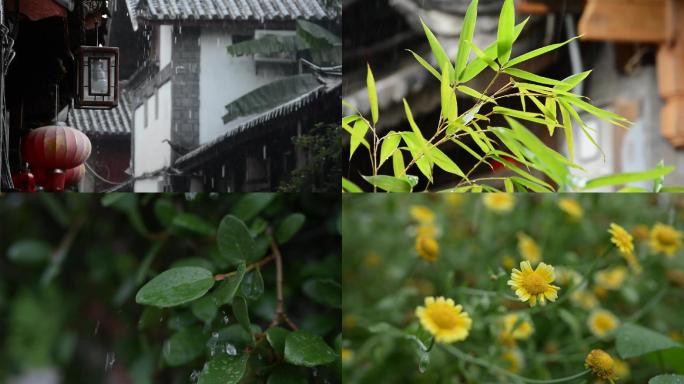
(112, 122)
(238, 127)
(227, 10)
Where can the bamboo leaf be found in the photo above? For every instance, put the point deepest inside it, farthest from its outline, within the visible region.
(489, 61)
(571, 82)
(529, 116)
(348, 186)
(398, 163)
(389, 145)
(436, 47)
(569, 134)
(389, 183)
(475, 94)
(412, 122)
(504, 36)
(611, 117)
(449, 106)
(444, 162)
(508, 185)
(624, 178)
(425, 64)
(466, 35)
(536, 52)
(529, 76)
(372, 95)
(358, 136)
(476, 66)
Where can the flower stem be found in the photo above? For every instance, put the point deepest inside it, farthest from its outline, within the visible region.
(493, 368)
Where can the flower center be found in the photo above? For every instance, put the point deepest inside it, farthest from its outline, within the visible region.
(443, 317)
(534, 283)
(604, 323)
(667, 237)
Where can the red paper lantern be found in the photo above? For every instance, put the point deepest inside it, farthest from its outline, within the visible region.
(55, 146)
(71, 176)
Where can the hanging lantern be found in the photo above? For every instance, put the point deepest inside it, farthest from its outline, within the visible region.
(55, 148)
(71, 176)
(98, 78)
(24, 180)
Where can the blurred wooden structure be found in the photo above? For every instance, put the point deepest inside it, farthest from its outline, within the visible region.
(658, 22)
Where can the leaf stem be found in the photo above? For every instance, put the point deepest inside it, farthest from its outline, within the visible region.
(260, 263)
(280, 314)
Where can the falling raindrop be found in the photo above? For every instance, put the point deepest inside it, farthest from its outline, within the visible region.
(97, 328)
(109, 361)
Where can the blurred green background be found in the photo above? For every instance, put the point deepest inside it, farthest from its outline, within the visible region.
(71, 264)
(384, 280)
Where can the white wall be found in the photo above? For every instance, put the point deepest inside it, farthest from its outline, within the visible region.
(223, 78)
(151, 154)
(165, 45)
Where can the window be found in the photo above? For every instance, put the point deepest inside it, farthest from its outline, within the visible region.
(156, 104)
(145, 112)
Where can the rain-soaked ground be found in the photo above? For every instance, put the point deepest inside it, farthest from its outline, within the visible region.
(72, 268)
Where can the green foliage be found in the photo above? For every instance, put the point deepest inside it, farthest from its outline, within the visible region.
(170, 288)
(385, 280)
(529, 160)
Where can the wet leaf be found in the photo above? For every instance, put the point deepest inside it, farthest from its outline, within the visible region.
(667, 379)
(308, 350)
(184, 346)
(251, 204)
(193, 223)
(226, 291)
(289, 227)
(253, 285)
(234, 240)
(242, 314)
(634, 340)
(205, 309)
(276, 337)
(175, 287)
(224, 369)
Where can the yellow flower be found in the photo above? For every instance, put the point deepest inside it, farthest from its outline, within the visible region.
(584, 299)
(571, 207)
(372, 260)
(601, 322)
(444, 319)
(514, 359)
(611, 278)
(533, 285)
(428, 230)
(508, 262)
(621, 369)
(422, 214)
(640, 232)
(521, 332)
(665, 239)
(499, 202)
(622, 239)
(528, 248)
(347, 355)
(427, 248)
(602, 364)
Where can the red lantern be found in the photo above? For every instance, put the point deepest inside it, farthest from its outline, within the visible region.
(71, 176)
(24, 180)
(55, 146)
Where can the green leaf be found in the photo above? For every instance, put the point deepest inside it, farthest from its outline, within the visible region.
(193, 223)
(569, 134)
(389, 145)
(425, 64)
(289, 227)
(437, 49)
(350, 187)
(529, 116)
(305, 349)
(475, 94)
(251, 204)
(324, 291)
(634, 340)
(570, 82)
(28, 252)
(489, 61)
(389, 183)
(184, 346)
(358, 136)
(234, 240)
(372, 95)
(448, 96)
(623, 178)
(225, 293)
(224, 369)
(613, 118)
(476, 66)
(519, 73)
(504, 36)
(287, 374)
(253, 285)
(205, 309)
(444, 162)
(175, 287)
(242, 314)
(667, 379)
(467, 32)
(276, 337)
(536, 52)
(412, 122)
(398, 165)
(165, 211)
